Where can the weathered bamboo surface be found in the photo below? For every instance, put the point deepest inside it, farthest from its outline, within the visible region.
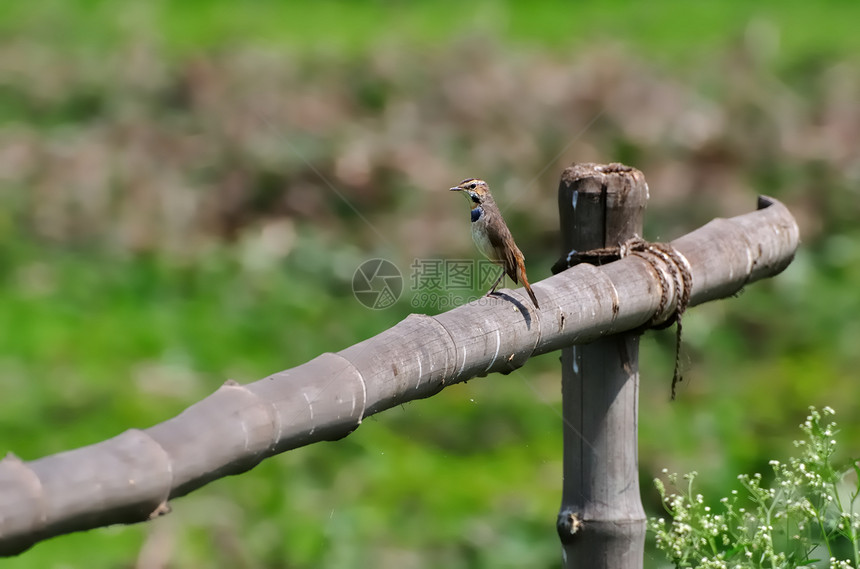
(131, 477)
(601, 522)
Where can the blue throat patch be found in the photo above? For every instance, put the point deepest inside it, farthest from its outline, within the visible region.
(476, 213)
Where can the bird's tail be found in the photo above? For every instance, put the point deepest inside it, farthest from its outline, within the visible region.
(521, 269)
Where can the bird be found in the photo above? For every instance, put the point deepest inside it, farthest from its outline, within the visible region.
(492, 235)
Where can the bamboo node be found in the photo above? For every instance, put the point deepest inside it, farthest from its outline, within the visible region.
(568, 524)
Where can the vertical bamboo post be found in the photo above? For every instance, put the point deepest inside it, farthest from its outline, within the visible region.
(601, 522)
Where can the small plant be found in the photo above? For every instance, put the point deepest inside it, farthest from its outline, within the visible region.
(804, 518)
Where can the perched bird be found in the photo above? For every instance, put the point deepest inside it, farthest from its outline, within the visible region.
(492, 235)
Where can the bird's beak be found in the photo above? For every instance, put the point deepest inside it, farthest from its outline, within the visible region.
(456, 189)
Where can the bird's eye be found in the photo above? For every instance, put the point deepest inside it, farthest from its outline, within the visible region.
(473, 185)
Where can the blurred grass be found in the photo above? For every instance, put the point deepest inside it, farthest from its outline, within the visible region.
(171, 183)
(672, 29)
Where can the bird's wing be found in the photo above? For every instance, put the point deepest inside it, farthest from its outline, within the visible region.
(507, 255)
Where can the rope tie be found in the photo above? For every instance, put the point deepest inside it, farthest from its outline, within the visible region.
(664, 259)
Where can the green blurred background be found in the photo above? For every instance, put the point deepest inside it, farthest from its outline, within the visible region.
(187, 188)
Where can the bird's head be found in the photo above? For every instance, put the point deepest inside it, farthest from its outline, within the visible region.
(477, 191)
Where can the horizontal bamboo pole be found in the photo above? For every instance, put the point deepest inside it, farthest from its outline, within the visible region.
(131, 477)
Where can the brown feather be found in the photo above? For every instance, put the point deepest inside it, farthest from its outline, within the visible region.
(506, 251)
